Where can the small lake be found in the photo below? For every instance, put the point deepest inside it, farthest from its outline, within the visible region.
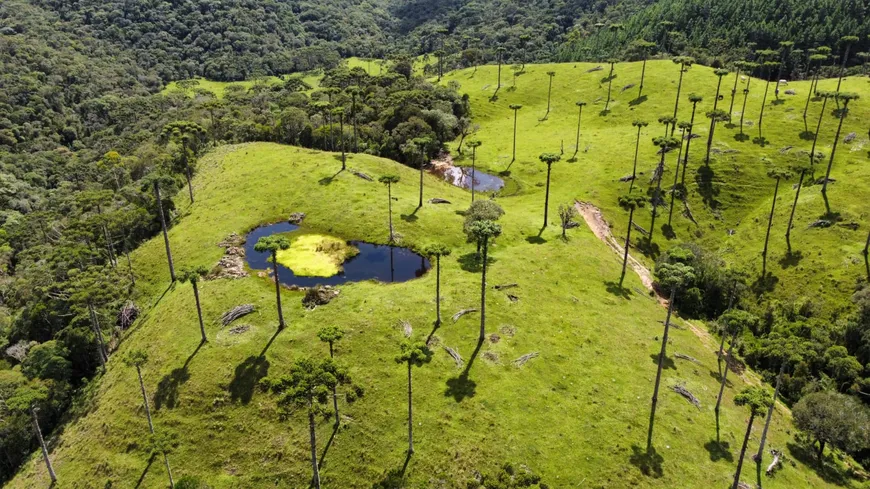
(461, 176)
(374, 262)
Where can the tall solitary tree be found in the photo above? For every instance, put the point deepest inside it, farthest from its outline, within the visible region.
(733, 323)
(777, 174)
(720, 74)
(137, 359)
(801, 169)
(630, 203)
(193, 275)
(672, 277)
(26, 399)
(639, 124)
(548, 159)
(644, 47)
(499, 52)
(738, 66)
(159, 182)
(550, 74)
(768, 68)
(757, 399)
(339, 112)
(685, 62)
(580, 104)
(307, 387)
(684, 128)
(188, 135)
(695, 100)
(715, 117)
(332, 335)
(415, 149)
(483, 231)
(438, 250)
(473, 144)
(665, 144)
(516, 108)
(817, 59)
(749, 67)
(610, 78)
(845, 97)
(272, 244)
(847, 42)
(389, 181)
(414, 355)
(785, 49)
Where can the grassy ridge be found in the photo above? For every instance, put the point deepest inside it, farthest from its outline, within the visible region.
(573, 414)
(733, 195)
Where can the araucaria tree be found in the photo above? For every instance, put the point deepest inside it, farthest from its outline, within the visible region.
(26, 399)
(307, 389)
(817, 58)
(610, 78)
(414, 355)
(720, 73)
(785, 49)
(801, 169)
(272, 244)
(845, 97)
(672, 277)
(715, 117)
(389, 180)
(188, 135)
(548, 159)
(644, 47)
(685, 127)
(438, 250)
(738, 67)
(695, 99)
(415, 149)
(516, 108)
(550, 74)
(639, 124)
(732, 322)
(193, 275)
(339, 111)
(749, 67)
(777, 174)
(757, 399)
(665, 144)
(160, 183)
(332, 335)
(768, 67)
(685, 62)
(484, 231)
(499, 52)
(847, 42)
(473, 144)
(580, 104)
(629, 203)
(137, 359)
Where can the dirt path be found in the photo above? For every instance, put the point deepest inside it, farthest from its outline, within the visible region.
(595, 220)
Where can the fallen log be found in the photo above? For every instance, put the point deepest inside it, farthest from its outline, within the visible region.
(362, 175)
(236, 313)
(406, 328)
(686, 357)
(519, 362)
(438, 201)
(463, 313)
(775, 463)
(505, 286)
(453, 354)
(681, 390)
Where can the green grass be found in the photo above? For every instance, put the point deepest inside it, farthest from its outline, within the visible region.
(218, 87)
(573, 414)
(733, 195)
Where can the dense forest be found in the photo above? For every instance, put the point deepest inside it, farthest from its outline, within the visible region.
(92, 156)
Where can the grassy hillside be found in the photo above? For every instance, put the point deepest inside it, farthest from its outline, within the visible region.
(730, 201)
(577, 414)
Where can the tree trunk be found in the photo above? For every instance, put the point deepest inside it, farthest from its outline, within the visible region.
(341, 131)
(721, 351)
(499, 74)
(410, 415)
(760, 454)
(438, 289)
(483, 291)
(743, 452)
(187, 170)
(168, 470)
(816, 135)
(104, 355)
(145, 400)
(165, 233)
(313, 438)
(843, 113)
(734, 91)
(689, 142)
(642, 76)
(627, 244)
(676, 178)
(767, 236)
(609, 88)
(550, 90)
(677, 102)
(821, 452)
(199, 311)
(843, 67)
(514, 157)
(634, 168)
(130, 269)
(809, 96)
(655, 397)
(745, 96)
(547, 194)
(763, 102)
(390, 208)
(473, 170)
(42, 445)
(334, 391)
(579, 118)
(793, 208)
(712, 124)
(656, 196)
(420, 204)
(109, 247)
(277, 290)
(724, 376)
(354, 122)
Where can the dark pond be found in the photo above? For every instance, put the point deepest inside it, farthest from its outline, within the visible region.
(483, 182)
(378, 262)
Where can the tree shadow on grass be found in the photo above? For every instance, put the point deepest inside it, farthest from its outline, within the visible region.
(648, 248)
(706, 186)
(328, 180)
(765, 284)
(792, 259)
(719, 451)
(831, 473)
(326, 448)
(614, 288)
(394, 478)
(247, 375)
(668, 363)
(604, 113)
(648, 461)
(145, 472)
(412, 217)
(668, 231)
(167, 388)
(472, 262)
(461, 386)
(537, 239)
(638, 101)
(807, 135)
(761, 141)
(742, 138)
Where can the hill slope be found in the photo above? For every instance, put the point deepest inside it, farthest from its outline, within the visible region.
(575, 415)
